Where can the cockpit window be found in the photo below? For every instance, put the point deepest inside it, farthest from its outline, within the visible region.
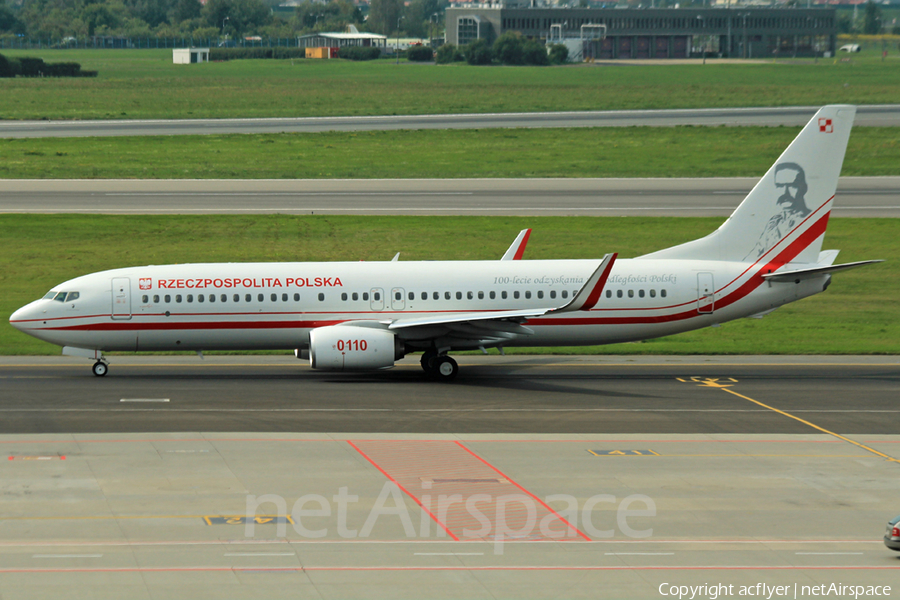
(49, 295)
(72, 296)
(60, 297)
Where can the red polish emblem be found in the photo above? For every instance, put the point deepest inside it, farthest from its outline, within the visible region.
(825, 126)
(146, 283)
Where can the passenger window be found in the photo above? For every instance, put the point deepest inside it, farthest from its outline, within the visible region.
(248, 298)
(540, 293)
(446, 295)
(223, 298)
(459, 295)
(436, 295)
(344, 296)
(296, 297)
(190, 298)
(322, 297)
(618, 293)
(145, 299)
(493, 295)
(528, 295)
(631, 293)
(553, 293)
(641, 293)
(412, 295)
(662, 293)
(355, 296)
(200, 298)
(376, 296)
(236, 298)
(653, 293)
(503, 295)
(470, 296)
(178, 298)
(260, 297)
(565, 294)
(609, 293)
(516, 294)
(155, 298)
(284, 297)
(366, 296)
(168, 298)
(212, 298)
(424, 295)
(273, 297)
(398, 296)
(481, 295)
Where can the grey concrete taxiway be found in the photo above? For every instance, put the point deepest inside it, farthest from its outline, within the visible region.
(527, 477)
(887, 115)
(856, 196)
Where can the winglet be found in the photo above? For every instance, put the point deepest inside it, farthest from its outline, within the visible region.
(517, 249)
(589, 294)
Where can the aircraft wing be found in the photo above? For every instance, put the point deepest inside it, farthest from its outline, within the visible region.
(495, 326)
(517, 249)
(800, 274)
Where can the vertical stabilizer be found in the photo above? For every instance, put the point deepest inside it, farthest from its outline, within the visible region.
(786, 212)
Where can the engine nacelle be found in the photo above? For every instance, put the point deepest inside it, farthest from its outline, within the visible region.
(351, 348)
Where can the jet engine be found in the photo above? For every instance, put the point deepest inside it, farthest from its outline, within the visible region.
(352, 348)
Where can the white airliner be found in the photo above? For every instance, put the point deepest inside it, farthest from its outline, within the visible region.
(367, 315)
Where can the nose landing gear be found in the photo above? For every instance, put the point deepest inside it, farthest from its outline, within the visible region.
(100, 368)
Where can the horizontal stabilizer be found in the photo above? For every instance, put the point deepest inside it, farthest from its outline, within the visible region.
(801, 274)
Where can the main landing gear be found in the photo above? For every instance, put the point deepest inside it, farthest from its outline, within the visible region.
(440, 366)
(100, 368)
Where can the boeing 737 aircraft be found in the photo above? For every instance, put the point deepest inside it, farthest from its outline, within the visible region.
(367, 315)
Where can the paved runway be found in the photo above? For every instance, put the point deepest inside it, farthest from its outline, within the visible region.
(871, 116)
(629, 475)
(857, 196)
(493, 394)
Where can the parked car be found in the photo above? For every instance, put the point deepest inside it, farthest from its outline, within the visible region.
(892, 534)
(849, 48)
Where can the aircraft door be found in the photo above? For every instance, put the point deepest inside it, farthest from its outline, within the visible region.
(706, 293)
(121, 298)
(397, 301)
(376, 299)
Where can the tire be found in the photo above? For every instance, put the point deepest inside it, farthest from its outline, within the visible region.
(445, 368)
(427, 360)
(100, 368)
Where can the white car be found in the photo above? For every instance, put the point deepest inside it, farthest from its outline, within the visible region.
(892, 534)
(849, 48)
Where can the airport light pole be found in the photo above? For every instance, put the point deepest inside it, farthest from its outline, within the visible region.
(397, 49)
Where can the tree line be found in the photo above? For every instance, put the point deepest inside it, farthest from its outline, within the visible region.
(81, 19)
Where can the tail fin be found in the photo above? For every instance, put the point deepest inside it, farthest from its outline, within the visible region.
(786, 212)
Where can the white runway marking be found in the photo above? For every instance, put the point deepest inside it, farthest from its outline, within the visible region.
(144, 400)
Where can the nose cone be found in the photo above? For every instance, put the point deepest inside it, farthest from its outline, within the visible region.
(24, 317)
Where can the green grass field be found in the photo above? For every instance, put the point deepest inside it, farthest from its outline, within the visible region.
(859, 313)
(612, 152)
(145, 84)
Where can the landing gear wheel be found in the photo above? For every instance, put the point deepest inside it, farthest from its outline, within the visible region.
(100, 368)
(445, 368)
(427, 360)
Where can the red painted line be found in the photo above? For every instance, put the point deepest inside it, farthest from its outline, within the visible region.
(407, 492)
(521, 249)
(539, 501)
(449, 568)
(492, 441)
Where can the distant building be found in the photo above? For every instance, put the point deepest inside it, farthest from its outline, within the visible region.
(338, 40)
(190, 56)
(747, 32)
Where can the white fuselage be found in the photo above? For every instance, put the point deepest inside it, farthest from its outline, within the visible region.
(249, 306)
